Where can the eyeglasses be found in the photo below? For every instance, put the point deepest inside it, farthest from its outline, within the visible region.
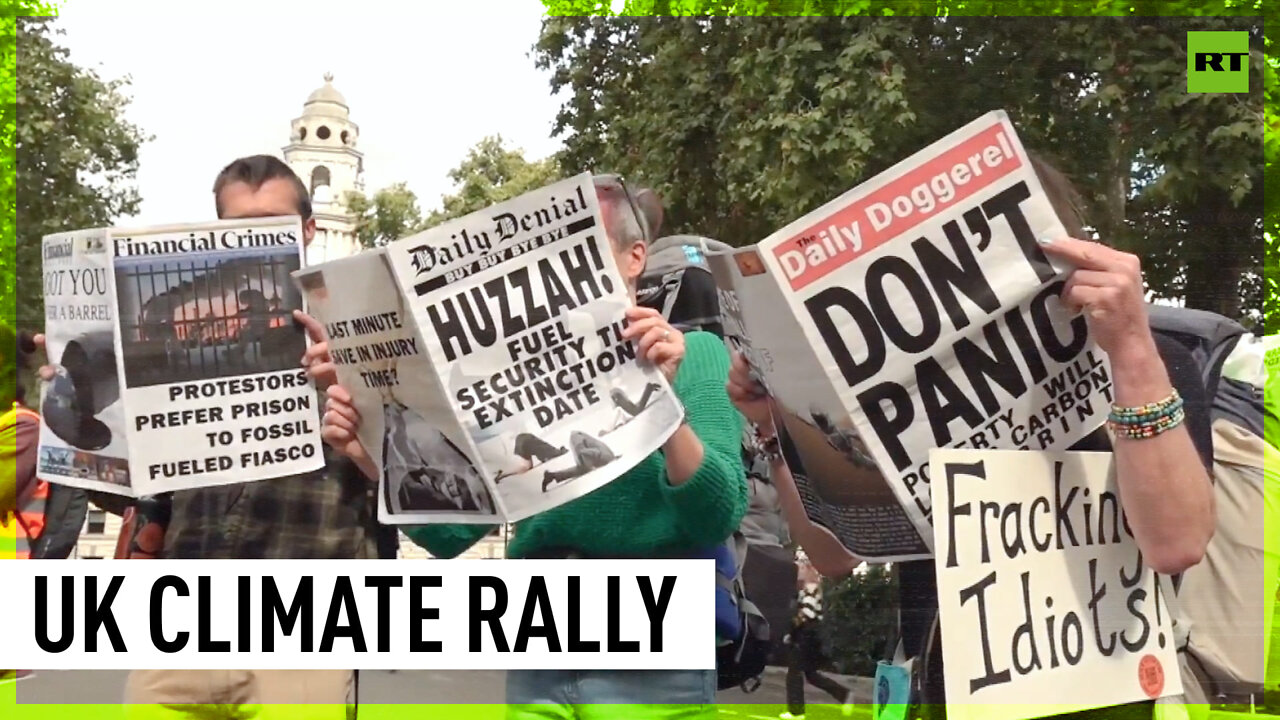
(614, 181)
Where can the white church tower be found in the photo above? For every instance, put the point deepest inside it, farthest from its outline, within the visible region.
(322, 151)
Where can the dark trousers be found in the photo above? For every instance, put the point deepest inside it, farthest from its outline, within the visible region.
(806, 653)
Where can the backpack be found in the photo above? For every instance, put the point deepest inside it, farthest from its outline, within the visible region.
(678, 283)
(741, 629)
(1209, 337)
(1223, 606)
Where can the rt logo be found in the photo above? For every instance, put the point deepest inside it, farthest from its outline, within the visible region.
(1218, 62)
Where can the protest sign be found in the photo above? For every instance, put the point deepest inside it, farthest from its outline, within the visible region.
(208, 352)
(917, 311)
(407, 424)
(193, 351)
(486, 359)
(82, 429)
(1045, 603)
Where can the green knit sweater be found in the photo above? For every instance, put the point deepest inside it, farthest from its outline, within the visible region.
(640, 514)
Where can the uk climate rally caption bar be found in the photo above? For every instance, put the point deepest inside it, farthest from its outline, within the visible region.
(313, 615)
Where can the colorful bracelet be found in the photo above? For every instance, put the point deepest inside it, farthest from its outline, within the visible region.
(1150, 420)
(1150, 430)
(1147, 412)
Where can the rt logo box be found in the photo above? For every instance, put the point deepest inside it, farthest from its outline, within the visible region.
(1218, 62)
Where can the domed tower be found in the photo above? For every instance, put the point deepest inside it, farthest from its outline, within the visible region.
(322, 151)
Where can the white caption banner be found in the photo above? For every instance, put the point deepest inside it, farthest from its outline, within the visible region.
(370, 614)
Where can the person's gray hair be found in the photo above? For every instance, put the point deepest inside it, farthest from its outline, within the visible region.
(622, 224)
(621, 219)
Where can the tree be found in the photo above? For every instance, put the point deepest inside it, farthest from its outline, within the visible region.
(859, 618)
(489, 174)
(741, 143)
(392, 214)
(76, 156)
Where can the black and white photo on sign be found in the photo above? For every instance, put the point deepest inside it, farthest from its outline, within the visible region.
(423, 471)
(208, 316)
(84, 385)
(844, 490)
(83, 430)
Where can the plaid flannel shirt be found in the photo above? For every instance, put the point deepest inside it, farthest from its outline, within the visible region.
(327, 514)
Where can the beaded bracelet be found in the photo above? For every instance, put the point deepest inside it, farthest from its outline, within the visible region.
(1150, 411)
(1150, 430)
(1150, 420)
(769, 448)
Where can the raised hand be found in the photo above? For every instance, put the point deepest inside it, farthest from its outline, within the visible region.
(656, 341)
(316, 360)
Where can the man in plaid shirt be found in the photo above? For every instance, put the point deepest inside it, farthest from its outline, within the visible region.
(330, 513)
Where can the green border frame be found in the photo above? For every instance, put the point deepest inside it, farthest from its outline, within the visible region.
(14, 8)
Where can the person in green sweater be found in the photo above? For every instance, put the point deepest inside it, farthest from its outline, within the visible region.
(683, 500)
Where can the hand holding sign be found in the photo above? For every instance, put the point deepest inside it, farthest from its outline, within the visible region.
(46, 371)
(748, 395)
(316, 360)
(340, 429)
(656, 341)
(1107, 286)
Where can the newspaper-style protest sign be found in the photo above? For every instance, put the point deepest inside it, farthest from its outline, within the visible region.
(917, 311)
(192, 374)
(82, 433)
(1045, 603)
(208, 352)
(427, 467)
(486, 359)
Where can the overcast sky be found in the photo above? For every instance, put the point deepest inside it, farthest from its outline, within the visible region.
(214, 81)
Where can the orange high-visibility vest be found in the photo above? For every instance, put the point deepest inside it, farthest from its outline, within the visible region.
(31, 520)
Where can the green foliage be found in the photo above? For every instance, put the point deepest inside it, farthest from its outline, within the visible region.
(860, 615)
(489, 174)
(8, 365)
(492, 173)
(1271, 149)
(8, 128)
(905, 8)
(392, 214)
(740, 143)
(76, 156)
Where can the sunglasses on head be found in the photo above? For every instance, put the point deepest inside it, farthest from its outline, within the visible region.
(613, 181)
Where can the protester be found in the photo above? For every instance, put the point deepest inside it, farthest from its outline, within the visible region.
(22, 494)
(805, 645)
(683, 500)
(327, 514)
(1163, 478)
